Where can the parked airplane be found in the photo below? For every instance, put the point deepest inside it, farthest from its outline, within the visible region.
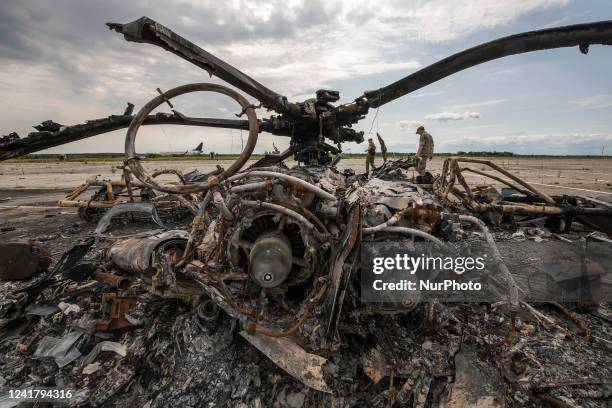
(195, 152)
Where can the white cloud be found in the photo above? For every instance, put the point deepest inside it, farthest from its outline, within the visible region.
(594, 102)
(422, 94)
(443, 20)
(479, 104)
(505, 72)
(547, 138)
(292, 47)
(446, 116)
(408, 125)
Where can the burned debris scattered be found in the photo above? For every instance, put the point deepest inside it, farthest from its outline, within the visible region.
(265, 261)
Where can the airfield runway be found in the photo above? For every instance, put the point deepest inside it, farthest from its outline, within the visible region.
(44, 183)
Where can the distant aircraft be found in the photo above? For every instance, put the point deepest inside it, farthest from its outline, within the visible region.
(195, 152)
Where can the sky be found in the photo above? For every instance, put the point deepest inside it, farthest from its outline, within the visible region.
(59, 61)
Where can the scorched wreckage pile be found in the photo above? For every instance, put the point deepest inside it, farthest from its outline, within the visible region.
(273, 254)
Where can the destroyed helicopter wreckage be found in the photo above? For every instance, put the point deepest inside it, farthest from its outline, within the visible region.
(278, 248)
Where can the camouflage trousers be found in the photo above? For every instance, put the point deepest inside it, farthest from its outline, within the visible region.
(421, 165)
(369, 162)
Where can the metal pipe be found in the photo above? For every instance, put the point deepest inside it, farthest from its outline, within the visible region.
(539, 209)
(512, 287)
(109, 204)
(391, 221)
(219, 202)
(285, 177)
(260, 185)
(288, 212)
(116, 281)
(407, 231)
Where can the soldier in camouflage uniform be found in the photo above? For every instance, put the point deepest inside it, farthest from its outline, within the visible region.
(425, 151)
(370, 157)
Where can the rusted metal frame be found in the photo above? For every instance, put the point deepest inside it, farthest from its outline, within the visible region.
(183, 201)
(462, 181)
(540, 209)
(88, 203)
(523, 183)
(585, 331)
(439, 184)
(132, 160)
(451, 179)
(127, 176)
(499, 179)
(220, 283)
(76, 192)
(109, 204)
(71, 199)
(223, 223)
(350, 238)
(527, 209)
(568, 36)
(110, 196)
(178, 173)
(114, 183)
(410, 213)
(303, 313)
(198, 222)
(252, 328)
(443, 174)
(461, 196)
(429, 215)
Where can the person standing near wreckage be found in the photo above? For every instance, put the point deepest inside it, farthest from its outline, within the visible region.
(370, 157)
(425, 150)
(383, 147)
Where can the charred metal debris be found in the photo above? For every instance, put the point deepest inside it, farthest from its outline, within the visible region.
(273, 254)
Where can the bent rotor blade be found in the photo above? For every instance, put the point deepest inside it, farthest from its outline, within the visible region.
(146, 30)
(580, 35)
(59, 135)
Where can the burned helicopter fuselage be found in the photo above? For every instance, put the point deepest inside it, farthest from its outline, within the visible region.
(279, 248)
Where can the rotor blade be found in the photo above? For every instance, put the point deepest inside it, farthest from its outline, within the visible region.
(569, 36)
(146, 30)
(57, 135)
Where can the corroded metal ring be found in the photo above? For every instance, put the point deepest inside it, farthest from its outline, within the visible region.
(132, 161)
